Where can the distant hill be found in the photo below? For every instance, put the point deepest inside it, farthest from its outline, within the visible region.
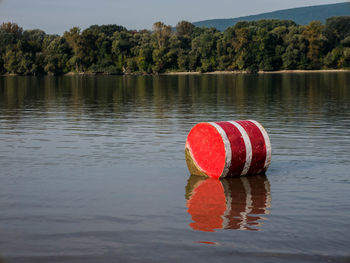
(301, 15)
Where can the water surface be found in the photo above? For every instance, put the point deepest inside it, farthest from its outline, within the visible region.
(92, 169)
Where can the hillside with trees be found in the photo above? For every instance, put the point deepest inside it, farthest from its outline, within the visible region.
(267, 45)
(300, 15)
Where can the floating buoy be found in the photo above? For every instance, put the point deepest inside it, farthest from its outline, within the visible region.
(228, 149)
(230, 203)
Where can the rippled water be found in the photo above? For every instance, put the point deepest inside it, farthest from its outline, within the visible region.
(92, 169)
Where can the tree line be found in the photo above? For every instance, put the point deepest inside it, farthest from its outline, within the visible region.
(266, 45)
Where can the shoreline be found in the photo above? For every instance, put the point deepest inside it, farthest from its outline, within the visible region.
(259, 72)
(235, 72)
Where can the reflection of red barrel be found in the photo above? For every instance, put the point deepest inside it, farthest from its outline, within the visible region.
(234, 203)
(228, 148)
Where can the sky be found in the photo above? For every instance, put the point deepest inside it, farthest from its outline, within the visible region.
(55, 17)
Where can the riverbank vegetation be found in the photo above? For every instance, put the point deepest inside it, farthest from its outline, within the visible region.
(267, 45)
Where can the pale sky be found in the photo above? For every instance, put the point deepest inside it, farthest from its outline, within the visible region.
(58, 16)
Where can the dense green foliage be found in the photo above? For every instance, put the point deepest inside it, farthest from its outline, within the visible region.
(300, 15)
(258, 45)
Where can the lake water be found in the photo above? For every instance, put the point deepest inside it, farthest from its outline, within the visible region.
(92, 169)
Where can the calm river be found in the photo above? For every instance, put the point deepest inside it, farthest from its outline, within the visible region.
(92, 169)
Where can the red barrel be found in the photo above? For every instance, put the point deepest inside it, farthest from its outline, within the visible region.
(228, 149)
(234, 203)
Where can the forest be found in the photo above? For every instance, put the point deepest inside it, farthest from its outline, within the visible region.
(264, 45)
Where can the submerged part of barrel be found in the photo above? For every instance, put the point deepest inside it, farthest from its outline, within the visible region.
(228, 149)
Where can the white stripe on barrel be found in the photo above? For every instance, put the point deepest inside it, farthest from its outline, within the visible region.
(248, 147)
(227, 145)
(267, 143)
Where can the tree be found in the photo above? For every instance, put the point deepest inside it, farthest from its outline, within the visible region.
(161, 55)
(162, 33)
(122, 44)
(57, 53)
(226, 49)
(10, 34)
(244, 48)
(203, 55)
(12, 28)
(143, 51)
(184, 28)
(294, 56)
(313, 33)
(74, 40)
(337, 29)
